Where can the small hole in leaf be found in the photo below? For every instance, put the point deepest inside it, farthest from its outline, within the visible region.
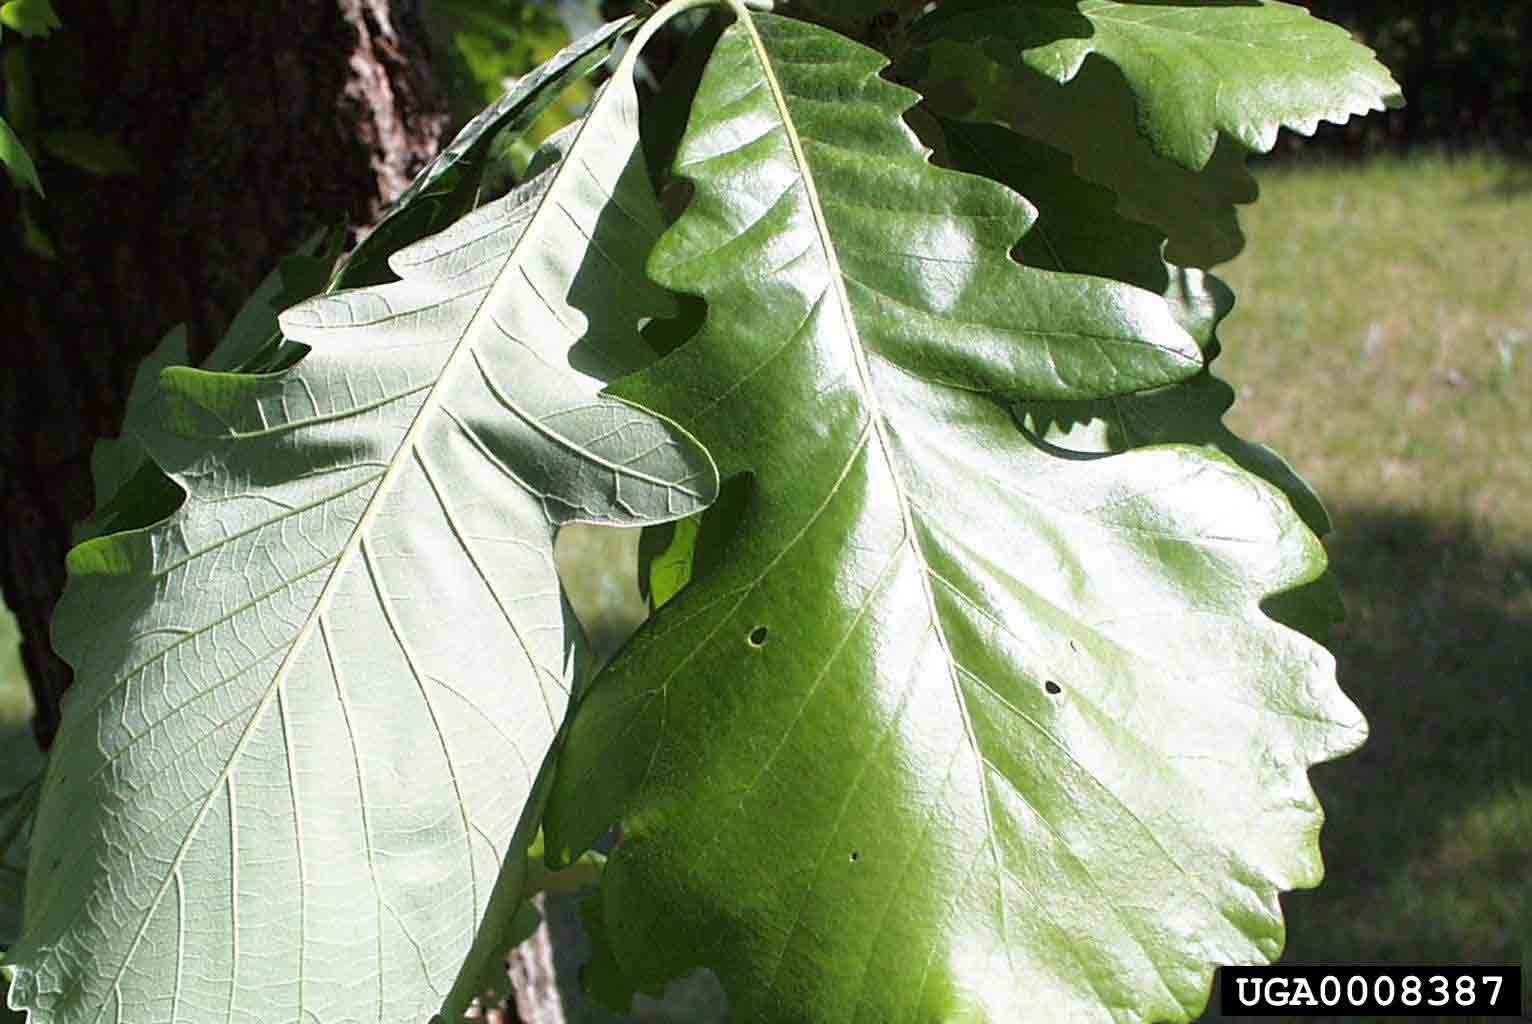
(856, 855)
(758, 636)
(1053, 688)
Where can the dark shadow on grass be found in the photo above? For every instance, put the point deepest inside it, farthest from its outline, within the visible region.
(1515, 183)
(1428, 834)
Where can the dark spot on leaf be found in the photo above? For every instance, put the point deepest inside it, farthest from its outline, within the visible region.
(1053, 688)
(758, 636)
(856, 855)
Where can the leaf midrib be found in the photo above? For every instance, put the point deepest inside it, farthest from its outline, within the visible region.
(401, 458)
(878, 425)
(843, 299)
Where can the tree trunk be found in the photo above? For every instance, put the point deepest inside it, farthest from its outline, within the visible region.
(251, 126)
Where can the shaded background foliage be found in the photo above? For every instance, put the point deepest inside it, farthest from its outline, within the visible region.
(1465, 69)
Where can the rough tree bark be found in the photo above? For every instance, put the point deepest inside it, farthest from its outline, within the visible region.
(252, 126)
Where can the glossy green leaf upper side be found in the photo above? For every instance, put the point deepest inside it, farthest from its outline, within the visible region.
(309, 709)
(956, 728)
(1196, 68)
(922, 253)
(1079, 230)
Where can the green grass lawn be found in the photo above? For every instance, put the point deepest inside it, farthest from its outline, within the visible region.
(1383, 343)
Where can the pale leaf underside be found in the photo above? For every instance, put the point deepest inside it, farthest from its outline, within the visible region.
(310, 707)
